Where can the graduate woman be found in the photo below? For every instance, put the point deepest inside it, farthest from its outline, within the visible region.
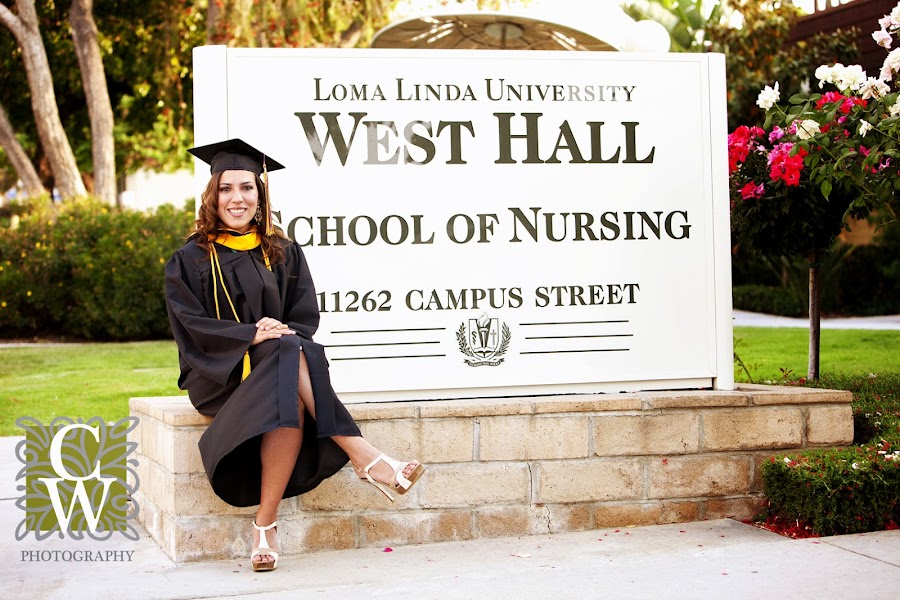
(243, 311)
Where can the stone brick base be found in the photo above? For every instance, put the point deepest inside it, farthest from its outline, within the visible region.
(500, 467)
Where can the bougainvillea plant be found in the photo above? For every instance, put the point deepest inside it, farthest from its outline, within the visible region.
(819, 159)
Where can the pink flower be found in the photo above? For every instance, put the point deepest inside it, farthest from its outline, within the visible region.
(777, 134)
(783, 166)
(751, 190)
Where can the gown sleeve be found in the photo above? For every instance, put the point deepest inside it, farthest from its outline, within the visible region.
(301, 312)
(209, 346)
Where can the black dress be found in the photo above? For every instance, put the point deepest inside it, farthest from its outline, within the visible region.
(211, 353)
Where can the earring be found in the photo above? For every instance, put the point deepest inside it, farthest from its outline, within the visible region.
(259, 217)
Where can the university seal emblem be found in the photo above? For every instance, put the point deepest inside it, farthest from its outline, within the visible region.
(483, 341)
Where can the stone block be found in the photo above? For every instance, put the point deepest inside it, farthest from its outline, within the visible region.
(733, 508)
(346, 492)
(829, 425)
(688, 399)
(667, 433)
(383, 411)
(616, 515)
(475, 484)
(761, 395)
(447, 440)
(749, 429)
(427, 440)
(407, 527)
(185, 452)
(147, 444)
(507, 521)
(481, 407)
(191, 495)
(679, 511)
(578, 403)
(756, 479)
(698, 476)
(568, 517)
(590, 480)
(300, 534)
(208, 538)
(533, 438)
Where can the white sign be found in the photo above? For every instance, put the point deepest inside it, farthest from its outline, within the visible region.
(495, 223)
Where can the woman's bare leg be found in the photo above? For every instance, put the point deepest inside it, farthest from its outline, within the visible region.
(278, 455)
(360, 451)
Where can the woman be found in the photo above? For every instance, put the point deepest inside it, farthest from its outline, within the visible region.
(243, 311)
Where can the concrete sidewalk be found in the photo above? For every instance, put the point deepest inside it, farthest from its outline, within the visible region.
(748, 319)
(712, 559)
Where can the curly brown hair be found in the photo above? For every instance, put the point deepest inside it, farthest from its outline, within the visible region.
(207, 222)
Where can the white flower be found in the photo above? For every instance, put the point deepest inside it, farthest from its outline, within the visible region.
(807, 129)
(864, 128)
(823, 74)
(855, 465)
(891, 65)
(895, 109)
(787, 461)
(882, 38)
(874, 88)
(848, 78)
(895, 16)
(885, 21)
(804, 86)
(768, 97)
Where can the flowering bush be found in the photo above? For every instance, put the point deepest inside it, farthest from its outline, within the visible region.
(823, 157)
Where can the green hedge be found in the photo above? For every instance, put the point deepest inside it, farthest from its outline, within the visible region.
(845, 490)
(837, 491)
(87, 270)
(768, 299)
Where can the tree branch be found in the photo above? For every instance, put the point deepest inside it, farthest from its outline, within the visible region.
(12, 22)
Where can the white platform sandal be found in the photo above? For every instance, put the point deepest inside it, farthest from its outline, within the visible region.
(264, 549)
(399, 483)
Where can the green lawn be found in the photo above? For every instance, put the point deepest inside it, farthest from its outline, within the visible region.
(767, 350)
(82, 380)
(86, 380)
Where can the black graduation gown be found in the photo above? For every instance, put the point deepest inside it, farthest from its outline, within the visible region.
(211, 354)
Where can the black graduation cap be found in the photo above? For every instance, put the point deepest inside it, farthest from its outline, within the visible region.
(235, 155)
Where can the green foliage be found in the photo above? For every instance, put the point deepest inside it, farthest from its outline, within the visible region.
(88, 271)
(685, 20)
(146, 48)
(768, 299)
(836, 491)
(869, 282)
(759, 53)
(297, 23)
(845, 490)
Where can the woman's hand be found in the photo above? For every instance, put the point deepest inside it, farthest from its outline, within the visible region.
(268, 328)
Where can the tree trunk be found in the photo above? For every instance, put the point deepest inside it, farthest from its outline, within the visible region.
(93, 79)
(19, 158)
(24, 28)
(814, 317)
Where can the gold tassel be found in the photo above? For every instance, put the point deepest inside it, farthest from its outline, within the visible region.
(269, 228)
(246, 372)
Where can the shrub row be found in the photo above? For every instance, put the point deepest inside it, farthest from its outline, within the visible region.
(768, 299)
(88, 270)
(845, 490)
(856, 280)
